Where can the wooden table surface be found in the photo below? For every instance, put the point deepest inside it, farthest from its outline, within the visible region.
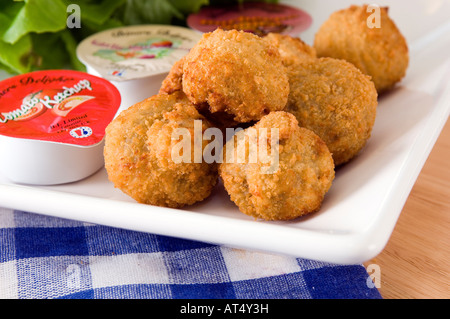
(415, 264)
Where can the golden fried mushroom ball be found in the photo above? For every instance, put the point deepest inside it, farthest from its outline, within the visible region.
(143, 160)
(380, 52)
(172, 82)
(237, 73)
(292, 50)
(290, 182)
(335, 100)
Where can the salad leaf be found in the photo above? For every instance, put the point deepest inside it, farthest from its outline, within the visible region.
(43, 58)
(158, 11)
(7, 12)
(13, 56)
(187, 7)
(36, 16)
(70, 44)
(97, 11)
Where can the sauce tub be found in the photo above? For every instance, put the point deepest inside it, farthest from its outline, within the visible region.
(52, 125)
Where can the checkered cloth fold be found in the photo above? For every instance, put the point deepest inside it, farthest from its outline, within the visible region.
(47, 257)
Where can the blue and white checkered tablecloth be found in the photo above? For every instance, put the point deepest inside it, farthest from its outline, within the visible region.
(47, 257)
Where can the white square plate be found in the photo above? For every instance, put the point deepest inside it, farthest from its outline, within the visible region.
(364, 203)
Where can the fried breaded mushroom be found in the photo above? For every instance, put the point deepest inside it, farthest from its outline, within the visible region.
(237, 73)
(144, 157)
(289, 181)
(173, 83)
(337, 101)
(379, 50)
(293, 50)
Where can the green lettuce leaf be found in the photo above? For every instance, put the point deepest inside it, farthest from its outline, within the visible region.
(99, 11)
(36, 16)
(188, 7)
(70, 44)
(42, 57)
(15, 58)
(158, 11)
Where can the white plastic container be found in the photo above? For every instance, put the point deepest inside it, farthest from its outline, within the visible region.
(47, 163)
(52, 125)
(136, 59)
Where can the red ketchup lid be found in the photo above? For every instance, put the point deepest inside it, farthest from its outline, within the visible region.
(61, 106)
(256, 17)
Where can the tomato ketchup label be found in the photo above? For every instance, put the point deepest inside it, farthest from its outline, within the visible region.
(57, 106)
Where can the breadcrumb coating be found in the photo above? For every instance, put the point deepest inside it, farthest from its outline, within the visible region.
(237, 73)
(337, 101)
(380, 52)
(292, 49)
(296, 186)
(172, 82)
(138, 153)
